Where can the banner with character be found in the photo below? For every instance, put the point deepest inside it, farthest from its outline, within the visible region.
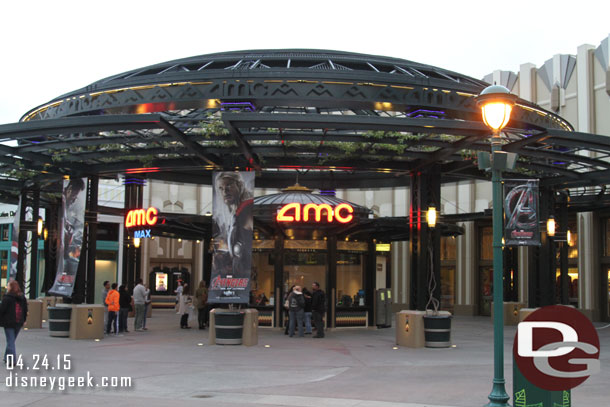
(232, 234)
(71, 226)
(521, 213)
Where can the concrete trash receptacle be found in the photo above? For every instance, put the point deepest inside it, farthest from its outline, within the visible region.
(87, 321)
(410, 328)
(250, 334)
(59, 320)
(46, 303)
(524, 312)
(510, 311)
(34, 317)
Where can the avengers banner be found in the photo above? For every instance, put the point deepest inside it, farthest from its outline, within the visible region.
(521, 213)
(71, 226)
(232, 234)
(15, 244)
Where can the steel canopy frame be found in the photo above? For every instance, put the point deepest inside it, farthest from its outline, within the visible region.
(342, 120)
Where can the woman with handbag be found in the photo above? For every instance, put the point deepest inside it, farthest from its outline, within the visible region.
(13, 313)
(286, 307)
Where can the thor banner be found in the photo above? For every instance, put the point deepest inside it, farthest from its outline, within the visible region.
(521, 213)
(232, 234)
(71, 226)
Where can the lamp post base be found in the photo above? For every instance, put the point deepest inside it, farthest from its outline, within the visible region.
(498, 396)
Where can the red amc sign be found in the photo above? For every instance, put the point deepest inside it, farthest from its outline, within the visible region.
(294, 212)
(142, 217)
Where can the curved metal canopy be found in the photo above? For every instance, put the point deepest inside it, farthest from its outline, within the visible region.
(342, 120)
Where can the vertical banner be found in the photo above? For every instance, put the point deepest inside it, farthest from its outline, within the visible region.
(521, 213)
(71, 225)
(15, 243)
(232, 234)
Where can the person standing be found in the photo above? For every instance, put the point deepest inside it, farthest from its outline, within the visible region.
(112, 300)
(296, 304)
(124, 306)
(178, 292)
(286, 305)
(201, 295)
(140, 295)
(147, 303)
(13, 313)
(105, 290)
(307, 314)
(318, 308)
(183, 307)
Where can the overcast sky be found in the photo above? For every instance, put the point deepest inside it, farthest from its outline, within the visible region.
(49, 48)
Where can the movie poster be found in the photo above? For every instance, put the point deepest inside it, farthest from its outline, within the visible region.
(232, 234)
(521, 213)
(71, 225)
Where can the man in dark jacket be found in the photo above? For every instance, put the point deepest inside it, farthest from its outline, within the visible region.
(13, 313)
(296, 308)
(318, 308)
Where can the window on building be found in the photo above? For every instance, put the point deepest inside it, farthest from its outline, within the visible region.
(303, 268)
(4, 232)
(486, 243)
(262, 278)
(350, 282)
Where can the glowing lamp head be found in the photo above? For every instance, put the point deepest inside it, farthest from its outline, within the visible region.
(431, 216)
(496, 103)
(40, 226)
(136, 242)
(550, 227)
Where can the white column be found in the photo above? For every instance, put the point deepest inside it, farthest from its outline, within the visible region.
(527, 82)
(584, 71)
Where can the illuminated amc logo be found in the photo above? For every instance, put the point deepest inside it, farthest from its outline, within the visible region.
(294, 212)
(142, 217)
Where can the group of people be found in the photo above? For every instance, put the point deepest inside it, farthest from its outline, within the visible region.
(303, 307)
(118, 306)
(187, 303)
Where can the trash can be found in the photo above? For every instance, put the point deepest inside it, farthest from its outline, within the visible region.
(59, 320)
(437, 331)
(229, 328)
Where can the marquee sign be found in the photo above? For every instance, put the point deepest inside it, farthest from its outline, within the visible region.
(295, 212)
(142, 217)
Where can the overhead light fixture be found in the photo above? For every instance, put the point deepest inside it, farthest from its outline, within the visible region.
(550, 226)
(431, 216)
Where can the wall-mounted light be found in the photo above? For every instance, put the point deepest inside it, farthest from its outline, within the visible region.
(431, 216)
(45, 233)
(179, 240)
(40, 226)
(550, 227)
(136, 242)
(569, 237)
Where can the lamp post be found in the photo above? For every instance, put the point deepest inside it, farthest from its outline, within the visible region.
(496, 104)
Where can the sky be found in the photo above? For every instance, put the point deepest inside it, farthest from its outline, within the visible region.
(51, 48)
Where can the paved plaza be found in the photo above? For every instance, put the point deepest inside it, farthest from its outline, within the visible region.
(350, 367)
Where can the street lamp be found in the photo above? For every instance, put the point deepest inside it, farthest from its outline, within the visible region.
(496, 104)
